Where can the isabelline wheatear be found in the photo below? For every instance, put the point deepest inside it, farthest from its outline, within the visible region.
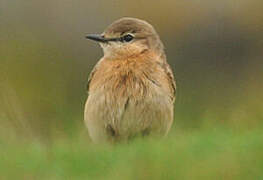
(131, 90)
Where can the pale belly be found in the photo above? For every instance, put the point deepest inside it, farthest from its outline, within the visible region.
(111, 115)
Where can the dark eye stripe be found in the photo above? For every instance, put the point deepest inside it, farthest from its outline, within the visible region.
(113, 39)
(126, 38)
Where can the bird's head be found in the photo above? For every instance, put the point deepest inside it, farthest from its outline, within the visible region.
(128, 37)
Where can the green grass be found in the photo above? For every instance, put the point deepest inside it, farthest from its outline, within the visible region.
(199, 154)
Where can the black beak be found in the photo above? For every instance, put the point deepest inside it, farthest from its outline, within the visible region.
(96, 37)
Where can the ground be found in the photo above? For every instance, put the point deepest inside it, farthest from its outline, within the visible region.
(211, 153)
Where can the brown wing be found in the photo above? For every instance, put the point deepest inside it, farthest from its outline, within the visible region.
(94, 70)
(171, 79)
(170, 75)
(90, 77)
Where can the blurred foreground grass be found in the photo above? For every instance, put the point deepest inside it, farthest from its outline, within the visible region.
(211, 153)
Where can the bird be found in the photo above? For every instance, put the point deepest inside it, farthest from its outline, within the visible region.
(131, 89)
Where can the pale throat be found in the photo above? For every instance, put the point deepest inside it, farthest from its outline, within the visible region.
(119, 51)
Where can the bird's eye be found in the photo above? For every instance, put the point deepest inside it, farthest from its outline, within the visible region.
(128, 38)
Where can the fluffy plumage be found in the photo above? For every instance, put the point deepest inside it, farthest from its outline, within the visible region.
(132, 88)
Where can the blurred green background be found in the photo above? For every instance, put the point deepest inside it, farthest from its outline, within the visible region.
(215, 49)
